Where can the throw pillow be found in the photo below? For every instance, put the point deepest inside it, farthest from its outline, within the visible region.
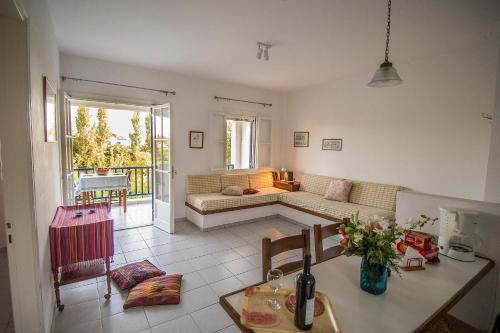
(129, 275)
(156, 291)
(233, 190)
(250, 191)
(338, 190)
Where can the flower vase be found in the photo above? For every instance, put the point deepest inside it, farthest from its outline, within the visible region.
(373, 277)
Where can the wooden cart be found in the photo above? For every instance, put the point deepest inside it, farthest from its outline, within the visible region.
(81, 246)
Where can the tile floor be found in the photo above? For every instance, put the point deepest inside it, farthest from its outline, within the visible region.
(6, 320)
(213, 263)
(138, 214)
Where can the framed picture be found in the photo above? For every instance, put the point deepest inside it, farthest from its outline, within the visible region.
(301, 139)
(49, 110)
(332, 144)
(196, 139)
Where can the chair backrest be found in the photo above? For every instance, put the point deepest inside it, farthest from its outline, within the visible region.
(272, 248)
(322, 232)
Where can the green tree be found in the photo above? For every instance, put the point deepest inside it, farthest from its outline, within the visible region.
(84, 141)
(102, 136)
(135, 137)
(147, 142)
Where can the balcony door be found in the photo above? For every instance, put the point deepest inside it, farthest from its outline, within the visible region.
(163, 205)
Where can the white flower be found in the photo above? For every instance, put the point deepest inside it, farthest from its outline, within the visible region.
(358, 237)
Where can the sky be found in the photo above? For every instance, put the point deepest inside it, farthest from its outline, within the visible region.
(119, 122)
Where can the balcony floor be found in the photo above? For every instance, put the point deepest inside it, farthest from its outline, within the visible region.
(138, 214)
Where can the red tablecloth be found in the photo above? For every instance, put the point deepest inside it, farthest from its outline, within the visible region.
(85, 240)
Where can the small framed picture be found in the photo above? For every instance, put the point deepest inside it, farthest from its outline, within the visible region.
(49, 111)
(332, 144)
(301, 139)
(196, 139)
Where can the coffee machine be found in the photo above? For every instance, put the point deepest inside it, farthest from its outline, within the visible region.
(457, 237)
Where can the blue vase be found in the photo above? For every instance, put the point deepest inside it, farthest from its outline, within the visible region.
(373, 277)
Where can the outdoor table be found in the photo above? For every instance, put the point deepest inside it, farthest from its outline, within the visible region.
(90, 183)
(411, 303)
(81, 247)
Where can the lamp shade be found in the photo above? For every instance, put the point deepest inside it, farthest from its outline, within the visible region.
(385, 76)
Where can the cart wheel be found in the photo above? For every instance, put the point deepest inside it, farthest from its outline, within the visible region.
(60, 307)
(107, 296)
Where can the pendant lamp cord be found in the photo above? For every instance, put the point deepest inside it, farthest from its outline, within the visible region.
(388, 33)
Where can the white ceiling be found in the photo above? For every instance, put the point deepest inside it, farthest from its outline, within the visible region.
(313, 40)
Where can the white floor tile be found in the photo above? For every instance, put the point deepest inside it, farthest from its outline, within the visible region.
(77, 314)
(192, 281)
(79, 295)
(132, 321)
(214, 274)
(226, 255)
(183, 267)
(239, 266)
(94, 326)
(251, 277)
(230, 329)
(204, 262)
(138, 255)
(212, 319)
(183, 324)
(226, 286)
(112, 306)
(246, 250)
(134, 246)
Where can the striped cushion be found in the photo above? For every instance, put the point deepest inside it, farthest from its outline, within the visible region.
(336, 209)
(129, 275)
(240, 180)
(315, 184)
(261, 180)
(382, 196)
(203, 184)
(156, 291)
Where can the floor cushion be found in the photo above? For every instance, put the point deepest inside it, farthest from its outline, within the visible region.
(131, 274)
(159, 290)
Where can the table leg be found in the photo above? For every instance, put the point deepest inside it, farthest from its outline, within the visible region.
(60, 306)
(119, 198)
(84, 198)
(110, 195)
(108, 279)
(124, 201)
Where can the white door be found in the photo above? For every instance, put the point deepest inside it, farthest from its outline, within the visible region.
(163, 198)
(67, 155)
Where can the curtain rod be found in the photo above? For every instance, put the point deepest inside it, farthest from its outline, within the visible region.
(166, 92)
(218, 98)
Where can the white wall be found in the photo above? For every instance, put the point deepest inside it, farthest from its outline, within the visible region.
(478, 305)
(43, 61)
(492, 192)
(426, 134)
(191, 107)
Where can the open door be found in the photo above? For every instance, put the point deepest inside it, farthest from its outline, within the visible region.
(67, 155)
(163, 171)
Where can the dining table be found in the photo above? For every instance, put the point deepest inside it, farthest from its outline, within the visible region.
(413, 301)
(90, 183)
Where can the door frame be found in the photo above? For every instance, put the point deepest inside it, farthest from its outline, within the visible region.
(170, 225)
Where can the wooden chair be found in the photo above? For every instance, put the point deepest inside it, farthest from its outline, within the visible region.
(272, 248)
(321, 233)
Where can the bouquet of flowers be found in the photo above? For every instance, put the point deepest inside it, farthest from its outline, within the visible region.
(375, 239)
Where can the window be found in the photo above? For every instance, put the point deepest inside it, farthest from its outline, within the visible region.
(240, 143)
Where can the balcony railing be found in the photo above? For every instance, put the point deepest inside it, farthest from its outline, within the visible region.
(141, 181)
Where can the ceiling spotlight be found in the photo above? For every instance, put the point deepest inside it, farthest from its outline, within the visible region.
(263, 49)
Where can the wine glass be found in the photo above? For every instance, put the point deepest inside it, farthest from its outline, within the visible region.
(275, 281)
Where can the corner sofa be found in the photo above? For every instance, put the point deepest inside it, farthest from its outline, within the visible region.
(208, 208)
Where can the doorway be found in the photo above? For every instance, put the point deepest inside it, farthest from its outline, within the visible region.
(131, 143)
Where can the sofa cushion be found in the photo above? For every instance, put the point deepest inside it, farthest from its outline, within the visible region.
(314, 183)
(260, 180)
(215, 201)
(233, 190)
(203, 184)
(338, 190)
(316, 203)
(240, 180)
(131, 274)
(381, 196)
(265, 195)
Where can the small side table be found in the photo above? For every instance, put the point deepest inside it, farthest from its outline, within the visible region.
(290, 187)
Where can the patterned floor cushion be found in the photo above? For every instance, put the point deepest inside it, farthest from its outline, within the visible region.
(129, 275)
(156, 291)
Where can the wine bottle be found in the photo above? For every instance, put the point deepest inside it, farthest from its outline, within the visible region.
(305, 297)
